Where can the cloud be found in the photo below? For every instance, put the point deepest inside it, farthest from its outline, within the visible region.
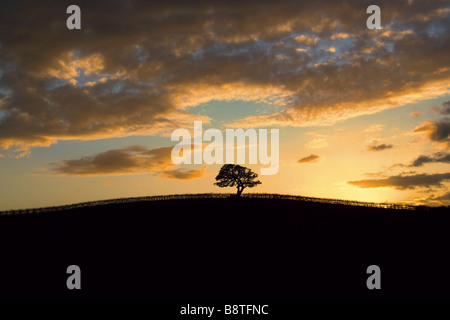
(317, 143)
(440, 200)
(301, 50)
(444, 108)
(135, 66)
(444, 197)
(309, 41)
(184, 175)
(436, 130)
(70, 67)
(414, 114)
(340, 35)
(379, 147)
(310, 158)
(443, 157)
(131, 160)
(402, 182)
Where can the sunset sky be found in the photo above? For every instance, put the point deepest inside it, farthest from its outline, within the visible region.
(88, 114)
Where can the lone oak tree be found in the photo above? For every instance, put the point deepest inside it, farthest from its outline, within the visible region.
(231, 175)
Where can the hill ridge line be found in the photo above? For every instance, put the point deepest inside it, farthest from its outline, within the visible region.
(273, 196)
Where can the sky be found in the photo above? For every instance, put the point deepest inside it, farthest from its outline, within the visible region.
(362, 114)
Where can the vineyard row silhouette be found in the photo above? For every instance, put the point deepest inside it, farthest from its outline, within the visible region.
(272, 196)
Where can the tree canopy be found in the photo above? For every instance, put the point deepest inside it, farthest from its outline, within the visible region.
(231, 175)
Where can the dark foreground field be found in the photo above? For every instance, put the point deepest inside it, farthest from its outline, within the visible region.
(226, 248)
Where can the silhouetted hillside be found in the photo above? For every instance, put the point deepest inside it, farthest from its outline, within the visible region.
(226, 248)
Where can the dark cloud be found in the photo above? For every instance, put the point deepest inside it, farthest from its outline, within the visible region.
(379, 147)
(310, 158)
(439, 200)
(402, 182)
(444, 197)
(437, 130)
(443, 157)
(444, 108)
(134, 159)
(135, 65)
(131, 160)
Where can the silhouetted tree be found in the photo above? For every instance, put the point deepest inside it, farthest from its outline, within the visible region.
(231, 175)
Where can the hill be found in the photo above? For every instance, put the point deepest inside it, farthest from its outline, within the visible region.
(226, 248)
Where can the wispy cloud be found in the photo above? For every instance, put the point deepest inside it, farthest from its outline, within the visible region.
(310, 158)
(402, 182)
(184, 174)
(131, 160)
(444, 108)
(437, 131)
(317, 143)
(443, 157)
(379, 147)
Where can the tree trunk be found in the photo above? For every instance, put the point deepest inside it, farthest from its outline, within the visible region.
(239, 191)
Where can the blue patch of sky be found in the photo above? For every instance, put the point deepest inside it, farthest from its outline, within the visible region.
(131, 90)
(233, 49)
(76, 54)
(215, 47)
(392, 25)
(342, 45)
(55, 83)
(82, 78)
(437, 29)
(262, 46)
(237, 51)
(198, 54)
(318, 52)
(140, 54)
(5, 91)
(389, 46)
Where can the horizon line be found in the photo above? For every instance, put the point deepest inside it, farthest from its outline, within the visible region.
(212, 195)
